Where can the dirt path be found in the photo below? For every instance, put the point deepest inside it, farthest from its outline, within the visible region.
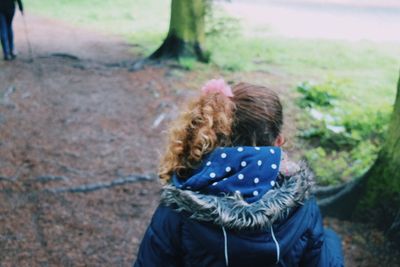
(50, 37)
(316, 19)
(68, 121)
(86, 119)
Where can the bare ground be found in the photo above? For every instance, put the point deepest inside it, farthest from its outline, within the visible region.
(81, 114)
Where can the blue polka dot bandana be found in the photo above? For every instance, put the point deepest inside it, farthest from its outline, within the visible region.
(248, 171)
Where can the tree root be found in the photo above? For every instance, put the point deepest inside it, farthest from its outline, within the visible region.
(103, 185)
(340, 201)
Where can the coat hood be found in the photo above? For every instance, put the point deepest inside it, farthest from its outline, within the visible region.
(233, 212)
(246, 170)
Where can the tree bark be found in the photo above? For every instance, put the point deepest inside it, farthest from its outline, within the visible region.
(375, 196)
(394, 230)
(186, 35)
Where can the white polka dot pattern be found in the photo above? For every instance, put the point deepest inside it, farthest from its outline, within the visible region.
(242, 170)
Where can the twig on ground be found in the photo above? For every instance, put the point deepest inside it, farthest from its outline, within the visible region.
(50, 178)
(2, 178)
(158, 120)
(103, 185)
(6, 97)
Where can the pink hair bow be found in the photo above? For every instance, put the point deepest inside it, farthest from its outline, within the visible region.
(217, 86)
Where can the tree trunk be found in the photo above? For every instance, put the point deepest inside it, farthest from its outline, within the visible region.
(186, 35)
(394, 230)
(375, 196)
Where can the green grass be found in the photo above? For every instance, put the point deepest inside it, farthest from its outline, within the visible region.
(141, 22)
(369, 70)
(342, 139)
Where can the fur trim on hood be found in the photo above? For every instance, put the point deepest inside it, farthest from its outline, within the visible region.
(234, 213)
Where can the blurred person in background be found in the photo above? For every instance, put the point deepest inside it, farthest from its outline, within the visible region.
(7, 11)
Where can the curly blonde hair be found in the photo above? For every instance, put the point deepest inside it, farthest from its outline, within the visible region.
(252, 117)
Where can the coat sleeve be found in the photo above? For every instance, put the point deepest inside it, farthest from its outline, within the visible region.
(20, 5)
(324, 246)
(161, 244)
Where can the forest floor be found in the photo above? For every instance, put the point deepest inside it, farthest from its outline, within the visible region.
(86, 114)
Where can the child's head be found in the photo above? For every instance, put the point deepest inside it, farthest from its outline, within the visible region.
(251, 117)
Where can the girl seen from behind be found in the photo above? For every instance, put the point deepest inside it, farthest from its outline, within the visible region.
(231, 197)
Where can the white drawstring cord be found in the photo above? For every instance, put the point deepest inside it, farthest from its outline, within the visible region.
(225, 246)
(278, 250)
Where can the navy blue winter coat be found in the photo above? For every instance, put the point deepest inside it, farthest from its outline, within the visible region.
(8, 6)
(281, 228)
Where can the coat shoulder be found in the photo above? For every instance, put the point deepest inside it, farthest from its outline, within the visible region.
(166, 218)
